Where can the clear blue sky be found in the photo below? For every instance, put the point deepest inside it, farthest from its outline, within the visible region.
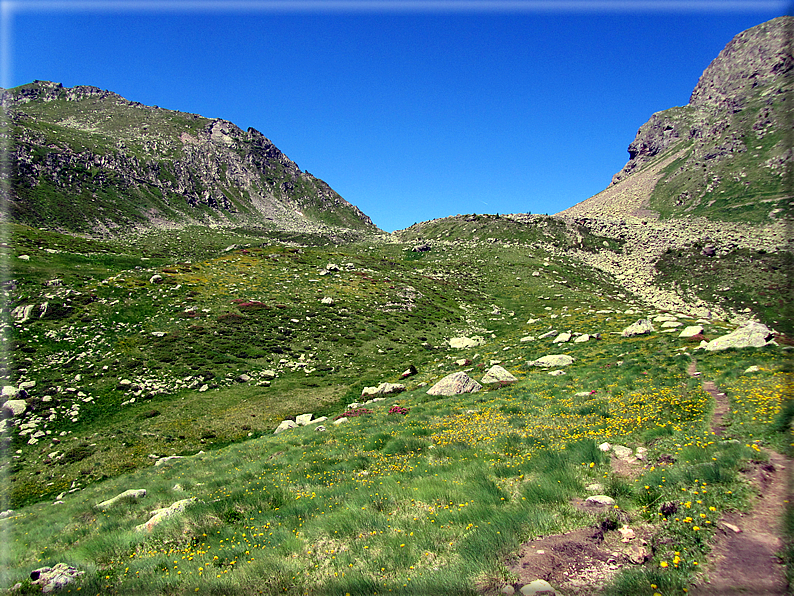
(410, 110)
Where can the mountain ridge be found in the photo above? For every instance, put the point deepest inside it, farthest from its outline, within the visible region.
(136, 166)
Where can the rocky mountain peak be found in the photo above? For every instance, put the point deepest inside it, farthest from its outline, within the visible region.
(758, 56)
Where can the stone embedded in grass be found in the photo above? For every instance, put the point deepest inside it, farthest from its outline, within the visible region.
(497, 374)
(562, 338)
(641, 327)
(128, 495)
(671, 324)
(168, 459)
(557, 373)
(582, 338)
(460, 343)
(552, 360)
(548, 334)
(455, 384)
(600, 501)
(691, 331)
(158, 515)
(285, 425)
(752, 335)
(341, 420)
(303, 419)
(752, 369)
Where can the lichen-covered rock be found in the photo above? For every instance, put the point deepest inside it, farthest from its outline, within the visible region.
(641, 327)
(15, 407)
(455, 384)
(752, 335)
(497, 374)
(55, 578)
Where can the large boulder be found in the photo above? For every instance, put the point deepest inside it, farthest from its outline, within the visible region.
(454, 384)
(641, 327)
(497, 374)
(15, 407)
(752, 335)
(552, 360)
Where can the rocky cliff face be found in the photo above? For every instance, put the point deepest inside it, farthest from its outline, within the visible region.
(734, 136)
(85, 159)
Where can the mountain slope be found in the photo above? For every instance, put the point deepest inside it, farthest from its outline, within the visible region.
(727, 154)
(84, 159)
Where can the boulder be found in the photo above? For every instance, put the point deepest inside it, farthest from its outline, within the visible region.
(460, 343)
(547, 334)
(455, 384)
(641, 327)
(557, 373)
(128, 495)
(165, 460)
(52, 579)
(497, 374)
(158, 515)
(752, 335)
(552, 360)
(285, 425)
(15, 407)
(582, 338)
(303, 419)
(538, 587)
(691, 331)
(383, 389)
(671, 324)
(562, 338)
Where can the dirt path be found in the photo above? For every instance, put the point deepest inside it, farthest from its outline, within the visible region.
(743, 559)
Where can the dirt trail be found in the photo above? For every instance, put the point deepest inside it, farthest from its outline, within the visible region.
(743, 559)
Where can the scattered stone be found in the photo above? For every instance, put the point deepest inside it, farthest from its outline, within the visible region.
(327, 300)
(552, 360)
(320, 428)
(508, 590)
(132, 494)
(669, 324)
(582, 338)
(752, 369)
(547, 334)
(424, 247)
(562, 338)
(203, 388)
(341, 420)
(156, 279)
(285, 425)
(524, 339)
(383, 389)
(641, 453)
(463, 362)
(752, 335)
(641, 327)
(626, 534)
(600, 501)
(595, 487)
(497, 374)
(637, 554)
(460, 343)
(165, 460)
(56, 578)
(622, 452)
(409, 372)
(691, 331)
(557, 373)
(24, 257)
(243, 378)
(732, 528)
(158, 515)
(538, 587)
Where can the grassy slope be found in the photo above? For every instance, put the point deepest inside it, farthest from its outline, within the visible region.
(384, 498)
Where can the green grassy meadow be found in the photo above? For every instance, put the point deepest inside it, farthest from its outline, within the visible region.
(431, 499)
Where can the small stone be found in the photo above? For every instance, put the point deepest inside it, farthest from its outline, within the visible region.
(508, 590)
(600, 500)
(319, 428)
(732, 528)
(751, 369)
(341, 420)
(595, 487)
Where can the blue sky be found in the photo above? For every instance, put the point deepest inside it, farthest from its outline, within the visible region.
(410, 110)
